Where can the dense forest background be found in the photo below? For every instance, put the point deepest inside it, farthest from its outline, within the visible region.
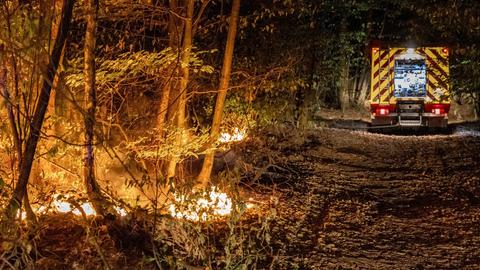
(120, 102)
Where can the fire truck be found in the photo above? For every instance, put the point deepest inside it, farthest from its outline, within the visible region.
(410, 86)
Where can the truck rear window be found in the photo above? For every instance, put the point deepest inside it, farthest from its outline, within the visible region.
(410, 78)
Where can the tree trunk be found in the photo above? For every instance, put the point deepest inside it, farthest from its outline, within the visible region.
(14, 120)
(11, 115)
(92, 187)
(204, 176)
(344, 80)
(305, 96)
(163, 108)
(173, 34)
(343, 95)
(476, 108)
(39, 114)
(59, 99)
(182, 98)
(362, 87)
(176, 34)
(16, 138)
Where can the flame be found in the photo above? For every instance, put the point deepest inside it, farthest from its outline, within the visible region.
(62, 206)
(238, 135)
(120, 211)
(87, 208)
(65, 207)
(198, 209)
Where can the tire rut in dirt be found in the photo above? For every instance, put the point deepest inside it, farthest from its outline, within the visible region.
(380, 202)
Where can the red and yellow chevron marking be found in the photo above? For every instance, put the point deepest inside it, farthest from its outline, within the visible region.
(383, 63)
(438, 74)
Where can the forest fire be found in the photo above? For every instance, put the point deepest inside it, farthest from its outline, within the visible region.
(206, 205)
(202, 134)
(236, 136)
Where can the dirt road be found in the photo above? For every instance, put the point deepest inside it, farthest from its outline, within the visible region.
(356, 200)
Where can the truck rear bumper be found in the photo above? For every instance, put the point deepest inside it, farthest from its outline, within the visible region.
(410, 113)
(411, 120)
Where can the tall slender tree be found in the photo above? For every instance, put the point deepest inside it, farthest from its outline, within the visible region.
(90, 100)
(36, 123)
(173, 37)
(16, 137)
(182, 95)
(204, 176)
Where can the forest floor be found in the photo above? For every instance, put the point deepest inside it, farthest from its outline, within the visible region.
(324, 198)
(356, 200)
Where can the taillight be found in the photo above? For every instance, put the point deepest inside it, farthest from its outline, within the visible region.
(377, 109)
(383, 111)
(438, 111)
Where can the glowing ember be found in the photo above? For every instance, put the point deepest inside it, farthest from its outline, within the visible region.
(237, 136)
(198, 209)
(250, 204)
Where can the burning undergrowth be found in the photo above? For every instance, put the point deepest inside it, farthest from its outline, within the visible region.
(210, 227)
(142, 239)
(63, 203)
(201, 206)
